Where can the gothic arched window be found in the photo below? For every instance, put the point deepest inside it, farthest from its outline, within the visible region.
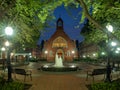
(59, 42)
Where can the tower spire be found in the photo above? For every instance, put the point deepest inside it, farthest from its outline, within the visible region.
(60, 22)
(59, 15)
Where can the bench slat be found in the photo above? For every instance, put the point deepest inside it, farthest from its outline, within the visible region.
(96, 72)
(22, 72)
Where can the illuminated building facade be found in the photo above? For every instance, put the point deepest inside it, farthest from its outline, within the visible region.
(60, 44)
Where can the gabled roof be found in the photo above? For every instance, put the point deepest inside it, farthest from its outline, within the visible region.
(59, 32)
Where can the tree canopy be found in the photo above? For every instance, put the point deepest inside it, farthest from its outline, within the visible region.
(29, 17)
(103, 12)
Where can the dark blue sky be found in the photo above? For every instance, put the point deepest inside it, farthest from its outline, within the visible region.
(70, 20)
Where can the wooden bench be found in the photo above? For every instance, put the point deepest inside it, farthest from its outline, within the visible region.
(22, 72)
(116, 72)
(96, 72)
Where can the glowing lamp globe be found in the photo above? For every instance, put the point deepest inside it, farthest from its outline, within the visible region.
(8, 31)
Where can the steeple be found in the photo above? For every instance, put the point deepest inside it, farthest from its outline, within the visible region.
(59, 23)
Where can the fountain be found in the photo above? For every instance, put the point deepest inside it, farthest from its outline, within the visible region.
(58, 66)
(58, 61)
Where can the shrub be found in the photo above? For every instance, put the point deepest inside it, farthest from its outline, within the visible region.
(4, 85)
(13, 86)
(105, 86)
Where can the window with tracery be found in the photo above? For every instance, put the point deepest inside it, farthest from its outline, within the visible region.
(59, 42)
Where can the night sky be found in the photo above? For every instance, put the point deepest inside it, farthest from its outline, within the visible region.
(70, 23)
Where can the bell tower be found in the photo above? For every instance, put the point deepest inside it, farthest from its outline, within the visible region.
(59, 23)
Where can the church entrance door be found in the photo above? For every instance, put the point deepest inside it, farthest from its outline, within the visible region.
(60, 53)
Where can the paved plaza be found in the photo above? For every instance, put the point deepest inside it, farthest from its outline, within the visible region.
(42, 80)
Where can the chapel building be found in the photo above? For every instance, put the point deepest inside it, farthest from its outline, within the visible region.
(60, 44)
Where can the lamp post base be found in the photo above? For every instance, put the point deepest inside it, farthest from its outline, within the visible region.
(10, 80)
(108, 73)
(9, 74)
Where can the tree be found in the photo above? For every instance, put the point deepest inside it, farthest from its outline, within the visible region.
(103, 12)
(92, 34)
(29, 17)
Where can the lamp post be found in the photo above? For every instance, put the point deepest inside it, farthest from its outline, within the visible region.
(103, 54)
(108, 67)
(8, 32)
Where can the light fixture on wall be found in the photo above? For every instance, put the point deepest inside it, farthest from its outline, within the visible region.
(46, 52)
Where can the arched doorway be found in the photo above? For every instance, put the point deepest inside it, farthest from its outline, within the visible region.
(60, 53)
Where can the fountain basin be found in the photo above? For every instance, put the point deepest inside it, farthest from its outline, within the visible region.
(65, 68)
(58, 66)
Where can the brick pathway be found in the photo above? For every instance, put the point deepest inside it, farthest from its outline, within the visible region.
(58, 82)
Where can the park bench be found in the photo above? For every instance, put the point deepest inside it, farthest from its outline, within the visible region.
(22, 72)
(95, 72)
(116, 72)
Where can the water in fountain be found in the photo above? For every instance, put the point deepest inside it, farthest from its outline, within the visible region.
(58, 66)
(58, 61)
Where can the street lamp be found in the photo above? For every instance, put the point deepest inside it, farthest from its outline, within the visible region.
(118, 48)
(116, 51)
(7, 43)
(108, 67)
(3, 49)
(103, 53)
(8, 32)
(94, 54)
(109, 27)
(113, 44)
(84, 56)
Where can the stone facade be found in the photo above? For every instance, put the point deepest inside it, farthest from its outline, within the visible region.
(60, 44)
